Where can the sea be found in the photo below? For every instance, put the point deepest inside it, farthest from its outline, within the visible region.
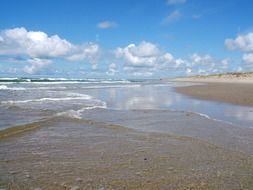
(28, 100)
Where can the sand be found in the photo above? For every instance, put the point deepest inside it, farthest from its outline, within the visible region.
(68, 153)
(220, 78)
(234, 93)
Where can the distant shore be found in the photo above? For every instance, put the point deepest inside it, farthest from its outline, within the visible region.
(239, 94)
(234, 88)
(221, 78)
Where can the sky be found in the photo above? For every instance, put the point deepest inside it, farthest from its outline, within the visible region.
(126, 38)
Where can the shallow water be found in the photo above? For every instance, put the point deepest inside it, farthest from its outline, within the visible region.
(110, 135)
(25, 101)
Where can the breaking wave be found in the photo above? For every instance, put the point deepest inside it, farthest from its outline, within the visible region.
(4, 87)
(84, 97)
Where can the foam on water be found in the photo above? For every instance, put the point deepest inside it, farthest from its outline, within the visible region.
(84, 97)
(58, 81)
(77, 114)
(4, 87)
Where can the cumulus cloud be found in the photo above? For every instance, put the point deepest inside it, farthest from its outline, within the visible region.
(107, 24)
(143, 55)
(244, 44)
(206, 64)
(36, 64)
(202, 59)
(34, 44)
(248, 58)
(112, 69)
(146, 58)
(41, 49)
(172, 17)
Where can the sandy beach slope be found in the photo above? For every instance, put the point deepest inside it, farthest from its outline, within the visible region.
(234, 93)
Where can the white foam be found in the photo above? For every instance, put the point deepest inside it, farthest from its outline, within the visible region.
(110, 86)
(70, 113)
(7, 78)
(213, 119)
(204, 115)
(4, 87)
(47, 88)
(78, 113)
(83, 97)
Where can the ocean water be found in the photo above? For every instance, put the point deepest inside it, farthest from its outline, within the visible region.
(27, 100)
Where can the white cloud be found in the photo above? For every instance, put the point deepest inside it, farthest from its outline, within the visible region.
(142, 74)
(243, 43)
(202, 59)
(41, 49)
(248, 58)
(147, 59)
(107, 24)
(35, 64)
(174, 2)
(225, 62)
(89, 52)
(206, 64)
(172, 17)
(112, 69)
(188, 71)
(144, 55)
(33, 44)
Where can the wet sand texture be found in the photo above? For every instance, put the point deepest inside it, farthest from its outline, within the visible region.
(69, 153)
(237, 93)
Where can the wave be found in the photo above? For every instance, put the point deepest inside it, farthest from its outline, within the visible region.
(4, 87)
(59, 80)
(110, 86)
(47, 88)
(77, 114)
(83, 97)
(209, 118)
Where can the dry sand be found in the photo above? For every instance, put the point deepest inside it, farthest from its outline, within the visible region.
(220, 78)
(234, 93)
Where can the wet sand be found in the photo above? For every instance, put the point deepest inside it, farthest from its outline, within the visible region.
(67, 153)
(234, 93)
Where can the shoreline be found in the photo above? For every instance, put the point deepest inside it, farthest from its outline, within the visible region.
(237, 93)
(219, 78)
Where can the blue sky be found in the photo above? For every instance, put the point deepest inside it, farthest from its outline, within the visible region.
(125, 39)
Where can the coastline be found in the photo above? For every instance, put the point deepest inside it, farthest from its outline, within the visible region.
(233, 78)
(238, 93)
(133, 148)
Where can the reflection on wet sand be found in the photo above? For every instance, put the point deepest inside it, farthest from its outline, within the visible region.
(163, 96)
(244, 114)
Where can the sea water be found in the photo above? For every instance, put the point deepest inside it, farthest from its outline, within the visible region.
(27, 100)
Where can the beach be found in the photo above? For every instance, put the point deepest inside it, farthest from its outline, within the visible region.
(234, 93)
(234, 88)
(120, 135)
(68, 153)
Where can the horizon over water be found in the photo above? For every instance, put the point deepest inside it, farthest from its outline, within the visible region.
(27, 100)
